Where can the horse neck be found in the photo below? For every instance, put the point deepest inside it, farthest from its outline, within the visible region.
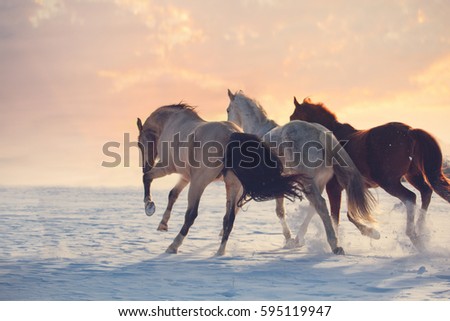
(257, 123)
(342, 131)
(260, 129)
(171, 120)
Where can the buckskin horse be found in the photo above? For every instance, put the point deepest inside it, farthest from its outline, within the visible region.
(173, 139)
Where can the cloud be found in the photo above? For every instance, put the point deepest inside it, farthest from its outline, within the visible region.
(169, 25)
(47, 9)
(123, 80)
(242, 34)
(85, 69)
(421, 17)
(435, 80)
(269, 3)
(424, 105)
(429, 91)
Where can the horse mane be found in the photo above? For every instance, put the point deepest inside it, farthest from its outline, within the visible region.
(357, 134)
(319, 110)
(180, 106)
(160, 115)
(251, 102)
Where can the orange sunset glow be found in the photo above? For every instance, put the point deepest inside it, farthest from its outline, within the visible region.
(76, 74)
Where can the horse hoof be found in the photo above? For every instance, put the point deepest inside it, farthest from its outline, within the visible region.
(292, 244)
(220, 253)
(162, 227)
(374, 234)
(171, 250)
(423, 232)
(420, 246)
(150, 208)
(418, 243)
(339, 251)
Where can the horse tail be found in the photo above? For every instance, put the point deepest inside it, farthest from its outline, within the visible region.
(360, 201)
(259, 170)
(428, 157)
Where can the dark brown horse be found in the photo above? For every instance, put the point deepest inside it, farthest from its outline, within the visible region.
(384, 155)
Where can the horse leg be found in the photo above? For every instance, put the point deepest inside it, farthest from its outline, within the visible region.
(364, 229)
(281, 213)
(300, 238)
(320, 205)
(395, 188)
(173, 195)
(334, 191)
(148, 177)
(194, 195)
(234, 191)
(418, 181)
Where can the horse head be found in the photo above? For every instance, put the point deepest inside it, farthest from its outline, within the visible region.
(147, 144)
(313, 112)
(233, 112)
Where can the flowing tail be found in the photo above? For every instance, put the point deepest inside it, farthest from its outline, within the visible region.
(360, 200)
(427, 157)
(259, 170)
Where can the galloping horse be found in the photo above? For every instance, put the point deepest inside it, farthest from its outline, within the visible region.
(384, 155)
(249, 115)
(174, 139)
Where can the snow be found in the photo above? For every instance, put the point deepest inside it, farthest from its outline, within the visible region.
(98, 244)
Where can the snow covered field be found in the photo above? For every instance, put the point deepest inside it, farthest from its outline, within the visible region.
(97, 244)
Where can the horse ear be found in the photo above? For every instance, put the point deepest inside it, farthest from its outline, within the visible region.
(307, 100)
(139, 124)
(296, 102)
(231, 95)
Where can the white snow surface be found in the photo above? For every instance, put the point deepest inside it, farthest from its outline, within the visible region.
(62, 243)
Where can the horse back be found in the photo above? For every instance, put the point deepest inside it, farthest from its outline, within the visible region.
(383, 152)
(215, 131)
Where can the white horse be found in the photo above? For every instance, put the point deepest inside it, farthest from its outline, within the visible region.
(311, 150)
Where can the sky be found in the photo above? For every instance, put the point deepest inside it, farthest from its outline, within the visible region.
(75, 74)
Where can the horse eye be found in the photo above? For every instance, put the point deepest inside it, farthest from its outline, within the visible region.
(228, 110)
